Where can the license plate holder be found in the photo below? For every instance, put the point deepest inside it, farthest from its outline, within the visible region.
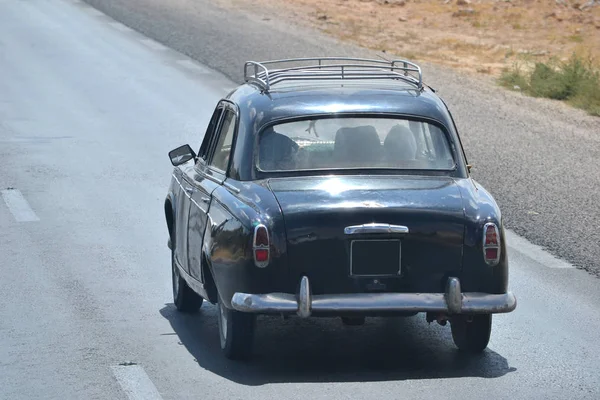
(375, 258)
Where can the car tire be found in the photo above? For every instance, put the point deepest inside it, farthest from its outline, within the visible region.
(236, 332)
(471, 336)
(185, 299)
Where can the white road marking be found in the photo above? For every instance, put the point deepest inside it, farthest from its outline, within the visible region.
(189, 64)
(135, 383)
(153, 44)
(120, 27)
(95, 12)
(18, 206)
(535, 252)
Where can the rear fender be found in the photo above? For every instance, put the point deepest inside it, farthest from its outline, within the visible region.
(228, 244)
(481, 208)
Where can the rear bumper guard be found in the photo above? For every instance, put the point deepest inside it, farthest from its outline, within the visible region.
(453, 301)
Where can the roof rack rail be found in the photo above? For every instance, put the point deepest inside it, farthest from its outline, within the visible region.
(265, 74)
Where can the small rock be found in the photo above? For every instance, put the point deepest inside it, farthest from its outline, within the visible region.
(463, 2)
(322, 17)
(400, 3)
(588, 5)
(556, 15)
(517, 87)
(463, 12)
(402, 19)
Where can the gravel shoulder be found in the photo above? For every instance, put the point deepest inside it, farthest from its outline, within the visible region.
(539, 158)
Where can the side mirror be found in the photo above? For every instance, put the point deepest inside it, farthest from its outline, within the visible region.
(469, 166)
(181, 155)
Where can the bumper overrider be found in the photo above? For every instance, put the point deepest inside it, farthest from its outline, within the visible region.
(453, 301)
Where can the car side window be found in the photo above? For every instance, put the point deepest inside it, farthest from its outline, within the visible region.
(210, 132)
(222, 150)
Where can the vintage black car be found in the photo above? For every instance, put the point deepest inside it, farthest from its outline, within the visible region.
(334, 187)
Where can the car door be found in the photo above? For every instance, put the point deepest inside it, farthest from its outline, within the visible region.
(182, 207)
(208, 174)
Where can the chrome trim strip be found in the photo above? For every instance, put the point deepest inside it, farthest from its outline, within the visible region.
(212, 178)
(231, 187)
(205, 210)
(304, 298)
(451, 302)
(375, 228)
(183, 189)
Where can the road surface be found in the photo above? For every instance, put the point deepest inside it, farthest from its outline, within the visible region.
(538, 157)
(88, 111)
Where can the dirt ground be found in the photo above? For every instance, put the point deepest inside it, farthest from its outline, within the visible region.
(481, 36)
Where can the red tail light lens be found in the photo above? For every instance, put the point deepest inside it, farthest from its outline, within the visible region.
(260, 246)
(491, 244)
(261, 255)
(491, 254)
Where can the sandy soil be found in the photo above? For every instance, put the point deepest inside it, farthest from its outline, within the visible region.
(472, 35)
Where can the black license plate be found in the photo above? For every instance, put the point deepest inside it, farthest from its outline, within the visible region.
(375, 257)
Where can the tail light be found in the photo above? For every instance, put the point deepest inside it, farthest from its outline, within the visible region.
(491, 244)
(260, 246)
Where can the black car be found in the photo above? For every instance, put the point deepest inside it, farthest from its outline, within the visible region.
(334, 187)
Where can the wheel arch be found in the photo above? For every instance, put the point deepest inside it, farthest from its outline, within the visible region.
(170, 218)
(209, 281)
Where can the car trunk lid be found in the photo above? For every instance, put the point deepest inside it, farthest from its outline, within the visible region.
(324, 218)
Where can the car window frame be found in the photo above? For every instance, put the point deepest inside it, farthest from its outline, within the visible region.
(227, 106)
(456, 155)
(209, 135)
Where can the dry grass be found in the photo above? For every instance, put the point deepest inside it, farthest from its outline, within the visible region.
(576, 81)
(484, 35)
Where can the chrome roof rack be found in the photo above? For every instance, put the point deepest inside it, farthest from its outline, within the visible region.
(265, 74)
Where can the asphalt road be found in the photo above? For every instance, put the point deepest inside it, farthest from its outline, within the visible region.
(88, 111)
(539, 158)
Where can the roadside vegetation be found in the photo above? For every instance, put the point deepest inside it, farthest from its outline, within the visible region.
(524, 43)
(576, 81)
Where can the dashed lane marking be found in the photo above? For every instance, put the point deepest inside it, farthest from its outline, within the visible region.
(120, 27)
(189, 64)
(18, 206)
(135, 382)
(153, 44)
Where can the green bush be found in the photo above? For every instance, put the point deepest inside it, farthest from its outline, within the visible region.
(576, 81)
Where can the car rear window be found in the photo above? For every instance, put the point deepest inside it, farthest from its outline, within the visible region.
(354, 143)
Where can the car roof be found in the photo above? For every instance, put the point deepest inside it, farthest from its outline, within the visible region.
(323, 98)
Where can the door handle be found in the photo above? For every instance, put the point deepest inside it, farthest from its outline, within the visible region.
(189, 190)
(205, 199)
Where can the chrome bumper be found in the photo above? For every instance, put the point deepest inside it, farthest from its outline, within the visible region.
(453, 301)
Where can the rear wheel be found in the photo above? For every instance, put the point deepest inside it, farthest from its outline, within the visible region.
(236, 332)
(471, 335)
(185, 299)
